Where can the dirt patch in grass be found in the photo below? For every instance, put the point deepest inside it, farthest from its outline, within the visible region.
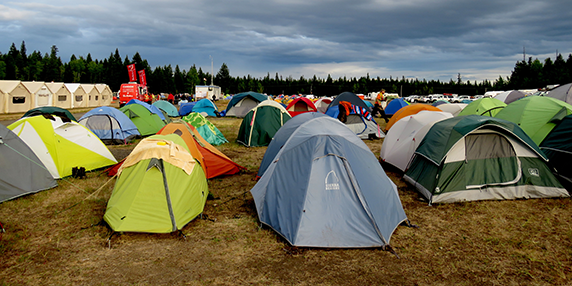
(57, 237)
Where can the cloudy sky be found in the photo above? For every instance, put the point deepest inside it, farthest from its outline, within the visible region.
(422, 39)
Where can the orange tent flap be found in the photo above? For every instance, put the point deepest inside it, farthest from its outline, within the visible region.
(409, 110)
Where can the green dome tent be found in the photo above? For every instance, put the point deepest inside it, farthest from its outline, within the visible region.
(469, 158)
(536, 115)
(261, 123)
(206, 129)
(147, 123)
(484, 106)
(160, 188)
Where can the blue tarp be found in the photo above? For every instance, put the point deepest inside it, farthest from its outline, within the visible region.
(186, 108)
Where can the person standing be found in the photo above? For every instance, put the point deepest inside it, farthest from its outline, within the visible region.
(377, 108)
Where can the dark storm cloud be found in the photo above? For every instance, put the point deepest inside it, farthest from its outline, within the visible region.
(424, 39)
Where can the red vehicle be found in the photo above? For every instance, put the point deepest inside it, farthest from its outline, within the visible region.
(129, 91)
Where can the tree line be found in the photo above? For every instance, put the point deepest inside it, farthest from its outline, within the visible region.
(17, 64)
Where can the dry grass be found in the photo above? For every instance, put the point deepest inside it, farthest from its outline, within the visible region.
(56, 238)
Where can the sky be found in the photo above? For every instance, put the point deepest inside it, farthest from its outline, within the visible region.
(432, 40)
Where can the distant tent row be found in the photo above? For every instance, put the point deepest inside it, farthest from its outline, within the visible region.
(21, 96)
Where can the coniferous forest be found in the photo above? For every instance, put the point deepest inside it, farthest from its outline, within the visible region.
(18, 64)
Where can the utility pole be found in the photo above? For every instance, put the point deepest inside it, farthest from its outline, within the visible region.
(212, 70)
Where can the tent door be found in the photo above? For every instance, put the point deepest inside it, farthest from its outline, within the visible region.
(490, 159)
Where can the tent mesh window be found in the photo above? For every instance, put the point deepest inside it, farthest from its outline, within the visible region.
(104, 122)
(79, 98)
(486, 146)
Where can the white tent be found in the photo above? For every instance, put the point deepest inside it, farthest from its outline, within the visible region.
(106, 94)
(322, 103)
(62, 145)
(453, 108)
(92, 94)
(16, 97)
(62, 95)
(406, 134)
(79, 95)
(41, 94)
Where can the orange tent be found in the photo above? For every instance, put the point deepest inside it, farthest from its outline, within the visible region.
(409, 110)
(214, 162)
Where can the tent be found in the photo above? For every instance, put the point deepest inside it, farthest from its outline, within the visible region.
(93, 96)
(322, 104)
(563, 92)
(469, 158)
(395, 105)
(261, 123)
(510, 96)
(301, 105)
(409, 110)
(41, 94)
(159, 188)
(536, 115)
(167, 107)
(242, 103)
(401, 141)
(105, 93)
(110, 125)
(558, 148)
(282, 136)
(206, 129)
(453, 108)
(186, 108)
(207, 106)
(485, 106)
(359, 118)
(62, 95)
(14, 97)
(79, 95)
(440, 102)
(147, 123)
(214, 162)
(325, 188)
(61, 145)
(151, 108)
(351, 98)
(21, 172)
(50, 110)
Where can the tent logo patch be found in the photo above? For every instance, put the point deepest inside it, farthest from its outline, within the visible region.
(332, 181)
(534, 172)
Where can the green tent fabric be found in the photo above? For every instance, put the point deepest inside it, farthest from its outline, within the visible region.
(206, 129)
(147, 123)
(474, 157)
(558, 148)
(54, 110)
(484, 106)
(160, 188)
(536, 115)
(261, 123)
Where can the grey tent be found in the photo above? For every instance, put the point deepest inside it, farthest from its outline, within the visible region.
(563, 92)
(325, 188)
(21, 172)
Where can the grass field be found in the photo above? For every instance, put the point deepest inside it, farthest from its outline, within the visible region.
(57, 237)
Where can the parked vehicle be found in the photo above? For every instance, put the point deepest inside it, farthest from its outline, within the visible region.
(133, 90)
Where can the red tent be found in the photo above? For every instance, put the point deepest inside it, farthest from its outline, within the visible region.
(301, 105)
